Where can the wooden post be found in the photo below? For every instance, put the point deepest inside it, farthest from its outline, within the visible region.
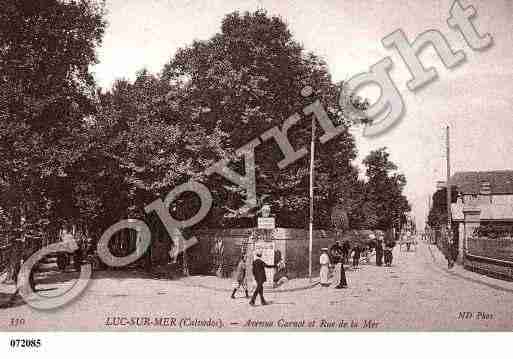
(310, 223)
(448, 150)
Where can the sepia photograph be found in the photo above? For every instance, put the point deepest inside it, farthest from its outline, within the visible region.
(255, 166)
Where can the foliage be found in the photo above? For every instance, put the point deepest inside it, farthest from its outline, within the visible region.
(247, 79)
(46, 89)
(383, 205)
(437, 216)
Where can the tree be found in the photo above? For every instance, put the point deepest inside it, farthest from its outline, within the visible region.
(384, 206)
(437, 216)
(146, 141)
(247, 79)
(46, 48)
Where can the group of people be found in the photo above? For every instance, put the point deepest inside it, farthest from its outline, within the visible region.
(339, 254)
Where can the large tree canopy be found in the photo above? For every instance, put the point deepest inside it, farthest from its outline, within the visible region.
(247, 79)
(384, 205)
(46, 95)
(73, 154)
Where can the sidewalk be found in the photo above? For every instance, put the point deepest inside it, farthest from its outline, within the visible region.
(106, 285)
(459, 271)
(226, 284)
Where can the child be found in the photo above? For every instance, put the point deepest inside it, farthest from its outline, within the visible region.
(240, 277)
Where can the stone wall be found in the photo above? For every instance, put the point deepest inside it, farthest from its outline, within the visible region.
(292, 243)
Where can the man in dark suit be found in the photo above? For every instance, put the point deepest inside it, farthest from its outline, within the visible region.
(337, 255)
(259, 274)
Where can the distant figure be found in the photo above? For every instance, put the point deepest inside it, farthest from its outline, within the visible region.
(78, 255)
(240, 277)
(345, 251)
(324, 261)
(356, 256)
(218, 253)
(336, 252)
(388, 253)
(379, 250)
(16, 257)
(259, 274)
(407, 239)
(452, 251)
(368, 248)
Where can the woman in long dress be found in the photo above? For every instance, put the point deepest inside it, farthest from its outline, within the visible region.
(325, 266)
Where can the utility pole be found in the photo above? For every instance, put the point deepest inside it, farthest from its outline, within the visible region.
(448, 151)
(310, 228)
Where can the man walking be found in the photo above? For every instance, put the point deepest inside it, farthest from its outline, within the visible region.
(259, 274)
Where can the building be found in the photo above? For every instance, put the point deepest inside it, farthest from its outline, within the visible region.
(491, 192)
(484, 199)
(493, 187)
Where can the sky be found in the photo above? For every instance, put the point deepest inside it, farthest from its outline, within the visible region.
(473, 99)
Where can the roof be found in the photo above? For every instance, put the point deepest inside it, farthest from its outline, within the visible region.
(489, 212)
(501, 182)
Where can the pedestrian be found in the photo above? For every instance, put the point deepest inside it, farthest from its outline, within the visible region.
(16, 257)
(218, 253)
(240, 277)
(407, 240)
(368, 248)
(388, 253)
(26, 256)
(324, 261)
(379, 250)
(337, 255)
(345, 250)
(280, 276)
(451, 251)
(259, 274)
(77, 256)
(356, 256)
(364, 254)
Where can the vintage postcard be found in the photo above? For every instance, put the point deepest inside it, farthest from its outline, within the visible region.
(230, 165)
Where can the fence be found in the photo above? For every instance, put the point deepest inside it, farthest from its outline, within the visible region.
(498, 249)
(490, 255)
